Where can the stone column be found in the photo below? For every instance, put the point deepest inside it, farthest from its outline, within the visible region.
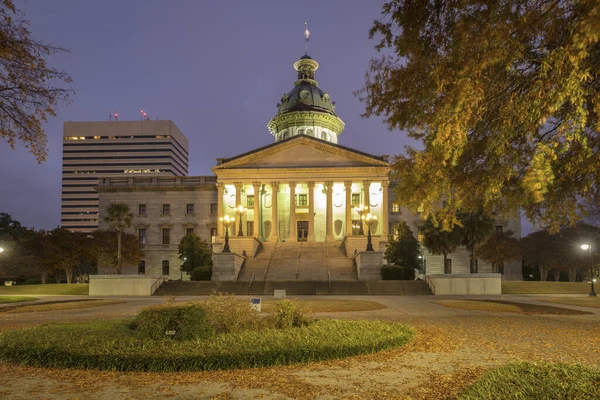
(219, 210)
(293, 226)
(257, 227)
(311, 211)
(348, 186)
(238, 202)
(329, 212)
(384, 210)
(274, 214)
(367, 200)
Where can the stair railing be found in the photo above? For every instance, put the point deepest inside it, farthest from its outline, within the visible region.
(430, 283)
(329, 278)
(251, 279)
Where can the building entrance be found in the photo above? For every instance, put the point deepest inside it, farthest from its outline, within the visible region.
(302, 230)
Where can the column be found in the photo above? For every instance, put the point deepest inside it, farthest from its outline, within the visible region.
(367, 200)
(219, 210)
(348, 186)
(311, 211)
(293, 226)
(329, 212)
(257, 197)
(385, 212)
(274, 214)
(238, 202)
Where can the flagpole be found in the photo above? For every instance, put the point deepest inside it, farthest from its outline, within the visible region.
(306, 33)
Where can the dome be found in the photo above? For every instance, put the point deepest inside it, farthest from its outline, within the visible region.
(306, 97)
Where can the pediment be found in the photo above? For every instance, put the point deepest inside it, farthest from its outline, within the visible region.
(302, 152)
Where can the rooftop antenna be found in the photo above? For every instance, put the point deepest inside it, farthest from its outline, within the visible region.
(116, 115)
(306, 34)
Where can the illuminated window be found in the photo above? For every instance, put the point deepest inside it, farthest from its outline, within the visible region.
(356, 226)
(250, 200)
(166, 209)
(250, 228)
(190, 209)
(213, 234)
(302, 200)
(355, 199)
(395, 207)
(142, 209)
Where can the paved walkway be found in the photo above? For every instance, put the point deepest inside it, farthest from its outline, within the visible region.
(452, 348)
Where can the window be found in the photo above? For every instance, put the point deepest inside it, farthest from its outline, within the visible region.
(355, 199)
(499, 228)
(189, 231)
(302, 200)
(356, 226)
(142, 235)
(142, 267)
(249, 228)
(142, 209)
(165, 267)
(213, 208)
(166, 209)
(474, 266)
(190, 209)
(166, 234)
(448, 266)
(395, 207)
(213, 234)
(250, 200)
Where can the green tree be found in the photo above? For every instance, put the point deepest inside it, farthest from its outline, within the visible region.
(106, 249)
(498, 249)
(118, 217)
(540, 249)
(195, 254)
(476, 227)
(439, 241)
(504, 98)
(403, 248)
(30, 90)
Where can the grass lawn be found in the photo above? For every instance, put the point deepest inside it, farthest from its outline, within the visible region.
(48, 289)
(507, 306)
(536, 381)
(528, 287)
(586, 301)
(63, 305)
(326, 305)
(16, 299)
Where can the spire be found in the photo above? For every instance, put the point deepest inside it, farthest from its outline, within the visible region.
(306, 34)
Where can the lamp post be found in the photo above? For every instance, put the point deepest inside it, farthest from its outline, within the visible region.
(227, 220)
(241, 210)
(362, 209)
(589, 247)
(422, 258)
(1, 249)
(369, 219)
(181, 269)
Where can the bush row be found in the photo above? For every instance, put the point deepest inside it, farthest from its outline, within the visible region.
(112, 345)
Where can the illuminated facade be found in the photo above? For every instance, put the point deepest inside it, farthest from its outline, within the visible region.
(110, 149)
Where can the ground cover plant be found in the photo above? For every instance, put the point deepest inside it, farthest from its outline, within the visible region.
(536, 381)
(327, 305)
(61, 305)
(508, 306)
(530, 287)
(16, 299)
(48, 289)
(232, 335)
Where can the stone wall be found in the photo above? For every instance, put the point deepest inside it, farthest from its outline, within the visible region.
(124, 285)
(465, 284)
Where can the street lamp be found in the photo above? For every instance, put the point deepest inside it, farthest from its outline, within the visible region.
(227, 220)
(181, 269)
(362, 209)
(422, 258)
(369, 219)
(241, 210)
(1, 249)
(589, 247)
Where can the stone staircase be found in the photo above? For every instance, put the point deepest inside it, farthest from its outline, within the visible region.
(257, 265)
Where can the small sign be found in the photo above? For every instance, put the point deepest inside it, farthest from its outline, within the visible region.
(170, 333)
(255, 303)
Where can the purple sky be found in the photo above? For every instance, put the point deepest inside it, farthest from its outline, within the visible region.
(216, 68)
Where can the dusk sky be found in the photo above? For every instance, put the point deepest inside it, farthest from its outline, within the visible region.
(216, 68)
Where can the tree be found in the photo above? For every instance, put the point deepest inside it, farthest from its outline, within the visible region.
(540, 249)
(118, 217)
(106, 249)
(30, 89)
(498, 249)
(476, 227)
(504, 98)
(439, 241)
(11, 227)
(403, 248)
(194, 253)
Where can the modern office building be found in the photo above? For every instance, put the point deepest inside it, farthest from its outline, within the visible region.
(111, 149)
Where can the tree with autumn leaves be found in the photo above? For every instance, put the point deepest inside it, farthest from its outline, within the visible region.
(503, 97)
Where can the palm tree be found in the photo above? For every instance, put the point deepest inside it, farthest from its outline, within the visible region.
(118, 217)
(476, 227)
(438, 241)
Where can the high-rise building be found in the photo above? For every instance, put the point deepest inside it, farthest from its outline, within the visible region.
(109, 149)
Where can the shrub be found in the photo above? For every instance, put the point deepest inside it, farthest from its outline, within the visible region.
(288, 315)
(201, 274)
(227, 313)
(188, 321)
(396, 273)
